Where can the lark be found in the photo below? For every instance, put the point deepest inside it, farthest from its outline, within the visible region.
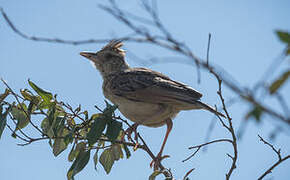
(142, 95)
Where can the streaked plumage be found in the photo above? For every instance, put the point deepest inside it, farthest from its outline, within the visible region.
(144, 96)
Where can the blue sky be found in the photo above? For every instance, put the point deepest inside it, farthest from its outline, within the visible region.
(243, 43)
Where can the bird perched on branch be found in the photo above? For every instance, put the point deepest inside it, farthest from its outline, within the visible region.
(144, 96)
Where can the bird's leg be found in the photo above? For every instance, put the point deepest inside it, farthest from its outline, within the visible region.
(130, 130)
(156, 162)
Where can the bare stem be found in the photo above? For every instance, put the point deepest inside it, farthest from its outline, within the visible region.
(18, 101)
(279, 161)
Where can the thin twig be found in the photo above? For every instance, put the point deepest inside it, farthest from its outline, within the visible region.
(208, 46)
(279, 161)
(147, 149)
(207, 143)
(278, 153)
(72, 111)
(20, 130)
(230, 129)
(146, 37)
(23, 139)
(197, 147)
(20, 104)
(283, 103)
(273, 166)
(187, 173)
(192, 155)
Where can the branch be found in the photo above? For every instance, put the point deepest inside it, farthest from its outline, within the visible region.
(58, 40)
(166, 40)
(270, 145)
(23, 139)
(215, 141)
(230, 129)
(75, 130)
(17, 99)
(146, 148)
(208, 46)
(279, 161)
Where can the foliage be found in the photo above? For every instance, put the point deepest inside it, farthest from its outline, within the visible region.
(63, 126)
(102, 132)
(285, 38)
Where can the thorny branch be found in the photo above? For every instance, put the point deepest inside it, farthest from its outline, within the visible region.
(26, 114)
(229, 127)
(76, 114)
(278, 153)
(167, 41)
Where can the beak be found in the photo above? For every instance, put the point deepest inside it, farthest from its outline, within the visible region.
(87, 54)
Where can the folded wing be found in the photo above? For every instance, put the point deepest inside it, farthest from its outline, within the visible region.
(140, 84)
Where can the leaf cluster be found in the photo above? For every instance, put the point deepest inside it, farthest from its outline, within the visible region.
(64, 126)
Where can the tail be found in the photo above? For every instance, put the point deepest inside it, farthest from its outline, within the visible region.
(211, 109)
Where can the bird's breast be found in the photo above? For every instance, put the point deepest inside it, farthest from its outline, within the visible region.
(148, 114)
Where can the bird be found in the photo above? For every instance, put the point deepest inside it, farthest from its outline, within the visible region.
(142, 95)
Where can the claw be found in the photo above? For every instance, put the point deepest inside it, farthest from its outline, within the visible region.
(156, 162)
(129, 132)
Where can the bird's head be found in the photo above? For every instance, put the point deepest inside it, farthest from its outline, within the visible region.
(110, 59)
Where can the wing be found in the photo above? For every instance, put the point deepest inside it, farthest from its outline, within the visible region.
(140, 84)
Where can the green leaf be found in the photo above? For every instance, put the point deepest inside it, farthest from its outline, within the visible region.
(46, 127)
(96, 159)
(256, 112)
(96, 130)
(21, 117)
(86, 115)
(79, 148)
(58, 146)
(4, 95)
(110, 109)
(279, 82)
(83, 132)
(3, 120)
(69, 137)
(58, 126)
(79, 164)
(117, 152)
(46, 96)
(284, 36)
(71, 155)
(154, 175)
(127, 151)
(95, 116)
(52, 124)
(288, 51)
(107, 160)
(31, 107)
(113, 129)
(27, 94)
(51, 116)
(44, 105)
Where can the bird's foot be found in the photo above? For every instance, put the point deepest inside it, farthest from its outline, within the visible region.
(129, 132)
(155, 163)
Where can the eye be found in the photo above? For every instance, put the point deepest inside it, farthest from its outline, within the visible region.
(109, 56)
